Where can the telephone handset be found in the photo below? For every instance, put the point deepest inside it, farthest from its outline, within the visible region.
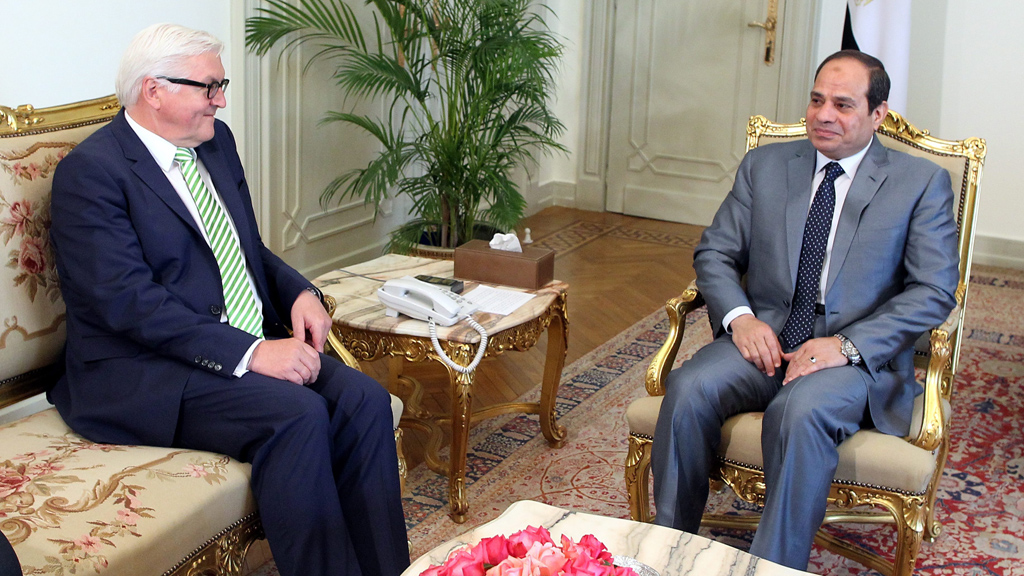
(423, 301)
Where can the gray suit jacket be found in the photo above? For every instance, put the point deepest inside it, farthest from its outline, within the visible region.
(893, 270)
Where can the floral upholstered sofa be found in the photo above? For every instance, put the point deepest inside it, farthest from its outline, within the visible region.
(70, 506)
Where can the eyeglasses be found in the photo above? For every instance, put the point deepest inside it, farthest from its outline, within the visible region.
(211, 89)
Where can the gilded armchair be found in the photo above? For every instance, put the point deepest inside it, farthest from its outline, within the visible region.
(899, 475)
(77, 505)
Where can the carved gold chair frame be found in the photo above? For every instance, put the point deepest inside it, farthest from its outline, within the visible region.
(937, 353)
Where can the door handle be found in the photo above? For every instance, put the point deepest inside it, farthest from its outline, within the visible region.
(770, 24)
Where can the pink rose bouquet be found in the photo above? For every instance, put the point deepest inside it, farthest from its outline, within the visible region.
(531, 552)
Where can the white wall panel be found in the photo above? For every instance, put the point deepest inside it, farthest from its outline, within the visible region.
(62, 51)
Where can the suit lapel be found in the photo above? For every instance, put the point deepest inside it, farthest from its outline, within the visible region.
(869, 178)
(146, 168)
(227, 189)
(798, 202)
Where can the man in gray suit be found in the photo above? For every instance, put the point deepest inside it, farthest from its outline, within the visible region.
(849, 252)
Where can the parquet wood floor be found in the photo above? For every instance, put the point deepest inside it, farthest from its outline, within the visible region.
(619, 269)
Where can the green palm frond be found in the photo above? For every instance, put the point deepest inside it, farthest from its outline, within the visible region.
(464, 86)
(331, 21)
(368, 76)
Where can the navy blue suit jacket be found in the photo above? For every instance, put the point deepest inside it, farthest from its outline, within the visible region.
(142, 287)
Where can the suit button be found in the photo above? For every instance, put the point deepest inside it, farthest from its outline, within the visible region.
(199, 359)
(217, 367)
(215, 310)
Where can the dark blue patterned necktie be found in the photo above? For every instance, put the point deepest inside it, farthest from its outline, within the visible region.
(800, 324)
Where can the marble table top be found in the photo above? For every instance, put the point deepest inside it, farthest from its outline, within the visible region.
(354, 288)
(670, 552)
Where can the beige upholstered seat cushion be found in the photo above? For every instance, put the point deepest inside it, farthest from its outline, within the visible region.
(868, 457)
(642, 415)
(71, 506)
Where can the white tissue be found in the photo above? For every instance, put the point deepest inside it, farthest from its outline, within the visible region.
(507, 242)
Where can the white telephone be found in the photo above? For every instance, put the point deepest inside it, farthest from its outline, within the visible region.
(423, 301)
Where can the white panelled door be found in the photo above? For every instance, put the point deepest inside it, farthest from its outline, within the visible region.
(686, 77)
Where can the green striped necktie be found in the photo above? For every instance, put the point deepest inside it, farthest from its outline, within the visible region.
(239, 300)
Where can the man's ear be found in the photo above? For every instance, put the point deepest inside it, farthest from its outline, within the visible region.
(151, 92)
(878, 114)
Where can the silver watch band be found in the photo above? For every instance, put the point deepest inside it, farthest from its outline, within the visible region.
(848, 349)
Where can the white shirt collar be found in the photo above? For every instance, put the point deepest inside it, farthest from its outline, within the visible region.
(162, 150)
(850, 164)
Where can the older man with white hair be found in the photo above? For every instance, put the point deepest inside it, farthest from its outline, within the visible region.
(177, 318)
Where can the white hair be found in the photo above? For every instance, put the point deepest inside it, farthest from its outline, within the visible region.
(160, 50)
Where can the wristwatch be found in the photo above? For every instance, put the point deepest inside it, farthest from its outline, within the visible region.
(315, 292)
(848, 349)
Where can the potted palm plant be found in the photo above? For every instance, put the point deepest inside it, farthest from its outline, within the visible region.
(465, 83)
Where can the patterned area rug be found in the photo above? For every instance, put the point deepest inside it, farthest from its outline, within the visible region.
(981, 503)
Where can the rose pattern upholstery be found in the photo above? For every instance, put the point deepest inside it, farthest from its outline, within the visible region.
(67, 505)
(25, 223)
(70, 506)
(32, 327)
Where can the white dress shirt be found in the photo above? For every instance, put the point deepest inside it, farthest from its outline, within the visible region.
(163, 152)
(850, 165)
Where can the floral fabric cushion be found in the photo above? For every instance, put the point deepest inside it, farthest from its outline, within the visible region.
(70, 506)
(32, 327)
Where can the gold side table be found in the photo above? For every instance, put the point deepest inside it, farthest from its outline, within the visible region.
(360, 324)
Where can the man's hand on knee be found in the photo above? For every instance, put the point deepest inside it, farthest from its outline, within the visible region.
(286, 359)
(815, 354)
(757, 342)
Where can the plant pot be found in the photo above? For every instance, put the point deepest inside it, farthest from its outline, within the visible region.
(427, 248)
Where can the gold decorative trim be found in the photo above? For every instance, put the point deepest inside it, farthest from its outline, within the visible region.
(27, 119)
(370, 346)
(334, 345)
(638, 467)
(677, 309)
(758, 471)
(224, 554)
(403, 467)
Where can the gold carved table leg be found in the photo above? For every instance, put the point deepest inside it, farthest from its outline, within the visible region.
(558, 336)
(462, 415)
(398, 349)
(462, 399)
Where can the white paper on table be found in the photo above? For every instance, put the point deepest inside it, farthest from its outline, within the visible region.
(496, 300)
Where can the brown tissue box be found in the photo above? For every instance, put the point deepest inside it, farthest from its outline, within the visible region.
(531, 268)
